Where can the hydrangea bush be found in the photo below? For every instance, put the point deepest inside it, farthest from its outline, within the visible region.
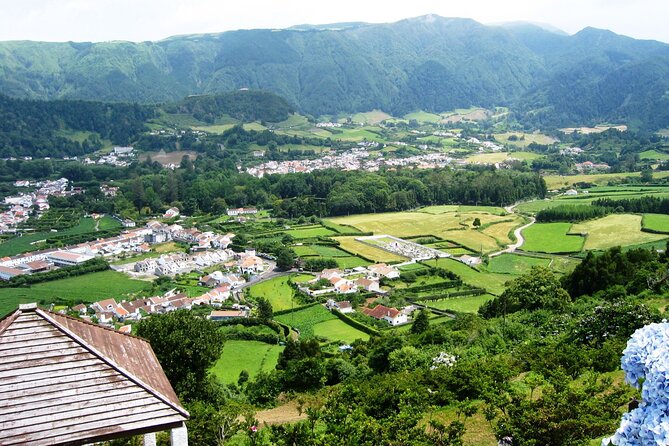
(645, 362)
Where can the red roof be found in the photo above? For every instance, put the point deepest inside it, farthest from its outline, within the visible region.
(381, 311)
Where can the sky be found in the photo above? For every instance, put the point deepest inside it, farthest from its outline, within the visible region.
(140, 20)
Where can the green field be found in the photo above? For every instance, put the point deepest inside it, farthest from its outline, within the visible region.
(551, 238)
(305, 320)
(422, 116)
(614, 230)
(29, 242)
(358, 134)
(350, 262)
(467, 304)
(602, 179)
(350, 244)
(515, 264)
(654, 155)
(277, 290)
(252, 356)
(373, 117)
(87, 288)
(656, 222)
(337, 330)
(463, 208)
(527, 138)
(309, 232)
(492, 282)
(499, 157)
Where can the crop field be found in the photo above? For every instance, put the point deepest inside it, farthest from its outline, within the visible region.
(527, 138)
(614, 230)
(252, 356)
(337, 330)
(373, 117)
(656, 222)
(422, 116)
(166, 158)
(552, 238)
(515, 264)
(350, 244)
(358, 134)
(500, 231)
(654, 155)
(277, 290)
(492, 282)
(462, 208)
(305, 320)
(466, 304)
(499, 157)
(602, 179)
(329, 251)
(86, 288)
(455, 226)
(309, 232)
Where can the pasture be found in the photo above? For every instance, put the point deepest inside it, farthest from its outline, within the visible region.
(86, 288)
(551, 238)
(252, 356)
(167, 158)
(492, 282)
(656, 222)
(515, 264)
(337, 330)
(654, 155)
(466, 304)
(422, 116)
(373, 117)
(614, 230)
(455, 226)
(277, 291)
(601, 179)
(524, 139)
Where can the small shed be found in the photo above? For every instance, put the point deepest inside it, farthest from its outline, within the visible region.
(64, 381)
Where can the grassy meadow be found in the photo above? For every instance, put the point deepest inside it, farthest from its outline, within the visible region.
(551, 238)
(252, 356)
(337, 330)
(614, 230)
(656, 222)
(515, 264)
(278, 291)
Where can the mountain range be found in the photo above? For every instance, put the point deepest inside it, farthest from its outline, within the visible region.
(431, 63)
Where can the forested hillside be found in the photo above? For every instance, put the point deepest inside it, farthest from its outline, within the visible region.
(430, 63)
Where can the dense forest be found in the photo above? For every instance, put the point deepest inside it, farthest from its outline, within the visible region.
(548, 79)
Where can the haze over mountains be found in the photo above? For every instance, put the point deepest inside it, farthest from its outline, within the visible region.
(432, 63)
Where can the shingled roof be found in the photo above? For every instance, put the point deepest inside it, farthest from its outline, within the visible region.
(64, 381)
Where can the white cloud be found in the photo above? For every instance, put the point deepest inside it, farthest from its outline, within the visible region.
(98, 20)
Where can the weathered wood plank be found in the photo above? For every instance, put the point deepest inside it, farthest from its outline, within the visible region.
(117, 403)
(64, 372)
(103, 425)
(52, 368)
(6, 338)
(40, 347)
(62, 390)
(82, 376)
(50, 353)
(8, 346)
(37, 364)
(16, 331)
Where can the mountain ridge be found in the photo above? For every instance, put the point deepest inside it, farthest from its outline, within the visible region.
(428, 62)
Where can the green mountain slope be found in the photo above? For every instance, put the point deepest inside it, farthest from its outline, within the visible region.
(430, 63)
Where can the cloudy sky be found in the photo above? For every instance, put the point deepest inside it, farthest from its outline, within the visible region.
(138, 20)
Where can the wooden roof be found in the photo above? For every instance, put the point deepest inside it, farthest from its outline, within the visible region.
(64, 381)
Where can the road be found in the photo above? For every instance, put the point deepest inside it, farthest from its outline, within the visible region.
(518, 233)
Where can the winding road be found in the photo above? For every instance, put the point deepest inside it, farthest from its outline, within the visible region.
(518, 233)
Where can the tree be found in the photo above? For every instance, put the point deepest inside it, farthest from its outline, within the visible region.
(186, 346)
(285, 258)
(421, 323)
(477, 222)
(265, 310)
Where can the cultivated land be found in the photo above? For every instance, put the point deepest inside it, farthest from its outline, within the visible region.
(515, 264)
(455, 226)
(524, 139)
(492, 282)
(602, 179)
(350, 244)
(466, 304)
(551, 238)
(252, 356)
(614, 230)
(337, 330)
(87, 288)
(304, 320)
(656, 222)
(499, 157)
(166, 158)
